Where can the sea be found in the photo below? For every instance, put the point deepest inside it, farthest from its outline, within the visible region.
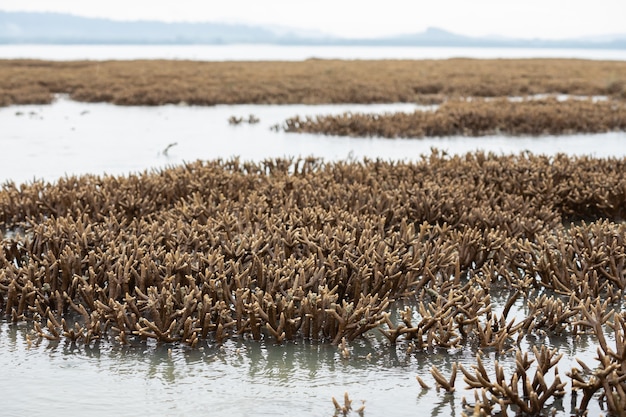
(263, 52)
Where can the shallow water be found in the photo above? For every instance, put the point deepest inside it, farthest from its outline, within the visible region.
(248, 378)
(241, 378)
(67, 137)
(289, 53)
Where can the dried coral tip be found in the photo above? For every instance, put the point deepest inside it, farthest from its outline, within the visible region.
(234, 120)
(343, 349)
(441, 380)
(347, 401)
(336, 404)
(421, 382)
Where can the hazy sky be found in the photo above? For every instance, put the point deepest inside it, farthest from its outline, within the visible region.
(354, 18)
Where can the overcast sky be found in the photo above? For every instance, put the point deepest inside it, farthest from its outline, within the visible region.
(552, 19)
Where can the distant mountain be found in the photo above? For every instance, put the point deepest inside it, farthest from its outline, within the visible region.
(58, 28)
(22, 27)
(440, 37)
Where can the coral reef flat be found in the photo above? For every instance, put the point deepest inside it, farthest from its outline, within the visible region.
(156, 82)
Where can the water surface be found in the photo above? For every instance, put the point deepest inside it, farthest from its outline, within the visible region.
(67, 137)
(289, 53)
(242, 378)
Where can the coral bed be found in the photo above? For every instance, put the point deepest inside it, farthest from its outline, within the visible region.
(293, 249)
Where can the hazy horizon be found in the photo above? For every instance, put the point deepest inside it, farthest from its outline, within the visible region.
(348, 18)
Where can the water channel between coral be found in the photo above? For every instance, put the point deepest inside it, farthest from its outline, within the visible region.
(67, 137)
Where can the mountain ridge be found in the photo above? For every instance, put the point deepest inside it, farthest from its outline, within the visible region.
(61, 28)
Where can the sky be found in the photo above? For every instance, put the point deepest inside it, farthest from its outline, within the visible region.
(547, 19)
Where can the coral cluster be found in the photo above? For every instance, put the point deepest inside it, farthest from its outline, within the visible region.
(473, 118)
(291, 249)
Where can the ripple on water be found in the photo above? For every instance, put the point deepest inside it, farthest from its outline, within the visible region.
(242, 378)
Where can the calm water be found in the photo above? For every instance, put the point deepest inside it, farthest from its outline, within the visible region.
(243, 378)
(289, 53)
(68, 137)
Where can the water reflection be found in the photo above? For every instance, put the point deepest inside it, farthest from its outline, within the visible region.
(242, 377)
(446, 406)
